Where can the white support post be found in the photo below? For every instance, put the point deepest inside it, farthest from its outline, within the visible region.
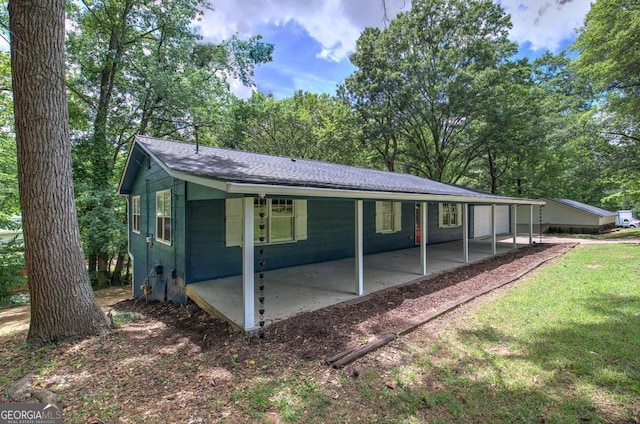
(359, 248)
(530, 225)
(494, 226)
(465, 232)
(514, 220)
(423, 236)
(248, 289)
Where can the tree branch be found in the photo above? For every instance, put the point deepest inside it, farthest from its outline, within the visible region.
(622, 135)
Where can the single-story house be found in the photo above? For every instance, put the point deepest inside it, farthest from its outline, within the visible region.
(200, 216)
(569, 216)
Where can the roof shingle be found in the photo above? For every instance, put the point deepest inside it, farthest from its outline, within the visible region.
(583, 207)
(244, 167)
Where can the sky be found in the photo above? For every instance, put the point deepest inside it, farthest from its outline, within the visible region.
(314, 38)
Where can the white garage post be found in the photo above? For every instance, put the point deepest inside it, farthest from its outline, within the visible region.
(494, 245)
(465, 232)
(423, 237)
(359, 249)
(514, 219)
(248, 265)
(530, 225)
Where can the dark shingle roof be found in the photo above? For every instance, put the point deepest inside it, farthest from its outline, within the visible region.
(243, 167)
(583, 207)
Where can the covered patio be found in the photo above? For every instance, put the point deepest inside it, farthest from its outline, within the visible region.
(290, 291)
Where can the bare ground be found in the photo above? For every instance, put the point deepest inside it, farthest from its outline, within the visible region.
(322, 333)
(176, 362)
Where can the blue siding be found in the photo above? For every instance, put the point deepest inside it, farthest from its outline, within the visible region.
(146, 255)
(330, 227)
(376, 243)
(330, 230)
(208, 257)
(198, 250)
(440, 235)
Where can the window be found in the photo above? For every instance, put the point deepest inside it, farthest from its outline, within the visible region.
(135, 214)
(388, 217)
(163, 216)
(285, 221)
(449, 215)
(279, 220)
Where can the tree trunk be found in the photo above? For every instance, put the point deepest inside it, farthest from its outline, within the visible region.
(127, 275)
(93, 267)
(103, 272)
(62, 303)
(116, 277)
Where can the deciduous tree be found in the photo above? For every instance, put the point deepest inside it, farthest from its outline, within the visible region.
(307, 125)
(62, 303)
(609, 47)
(9, 198)
(139, 67)
(423, 76)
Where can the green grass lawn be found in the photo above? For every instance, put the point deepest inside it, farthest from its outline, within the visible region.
(619, 234)
(563, 347)
(624, 233)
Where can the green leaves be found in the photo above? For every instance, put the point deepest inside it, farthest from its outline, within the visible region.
(609, 47)
(9, 196)
(307, 125)
(419, 82)
(139, 67)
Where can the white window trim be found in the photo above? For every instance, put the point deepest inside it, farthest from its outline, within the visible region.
(268, 221)
(234, 214)
(136, 200)
(441, 214)
(397, 218)
(157, 238)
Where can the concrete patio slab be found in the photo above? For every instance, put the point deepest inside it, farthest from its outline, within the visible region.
(289, 291)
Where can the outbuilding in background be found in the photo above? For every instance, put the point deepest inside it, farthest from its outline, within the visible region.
(567, 216)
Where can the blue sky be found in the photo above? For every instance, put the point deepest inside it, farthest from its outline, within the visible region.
(313, 38)
(295, 63)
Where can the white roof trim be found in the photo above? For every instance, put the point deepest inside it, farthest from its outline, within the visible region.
(282, 190)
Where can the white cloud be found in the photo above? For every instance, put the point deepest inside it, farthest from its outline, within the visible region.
(337, 24)
(545, 23)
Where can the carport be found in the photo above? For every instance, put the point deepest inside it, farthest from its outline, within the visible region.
(293, 290)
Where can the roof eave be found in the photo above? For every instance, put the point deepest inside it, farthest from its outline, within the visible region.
(287, 190)
(121, 191)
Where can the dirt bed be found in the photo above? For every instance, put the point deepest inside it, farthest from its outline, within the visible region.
(323, 333)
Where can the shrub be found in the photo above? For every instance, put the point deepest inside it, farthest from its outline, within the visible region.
(12, 277)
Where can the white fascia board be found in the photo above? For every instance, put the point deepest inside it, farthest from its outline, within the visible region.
(278, 190)
(203, 181)
(126, 166)
(241, 188)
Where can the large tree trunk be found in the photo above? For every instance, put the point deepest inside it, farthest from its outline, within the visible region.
(62, 303)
